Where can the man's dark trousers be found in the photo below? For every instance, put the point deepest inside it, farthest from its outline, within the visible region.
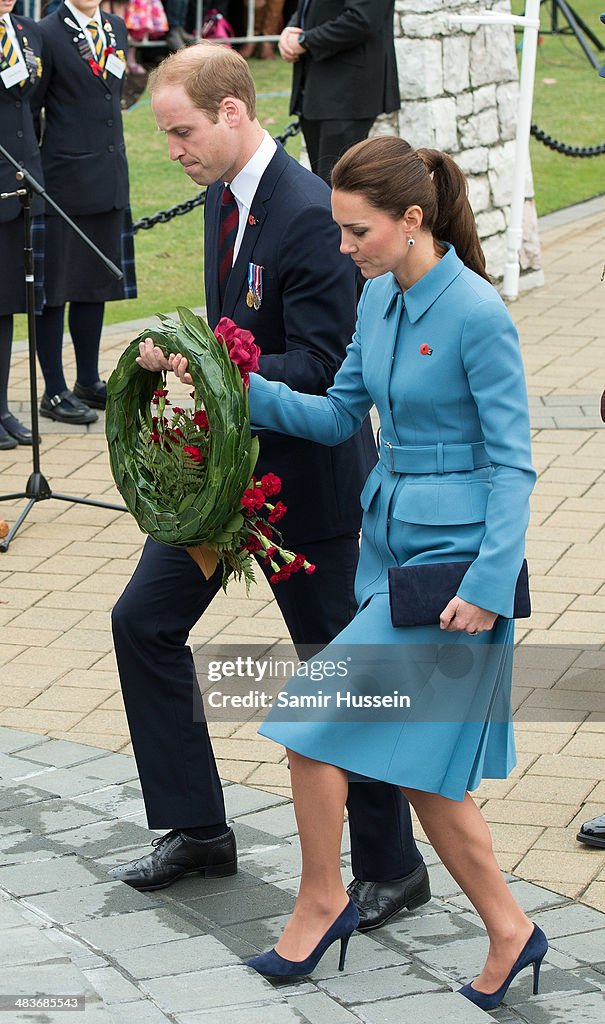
(164, 599)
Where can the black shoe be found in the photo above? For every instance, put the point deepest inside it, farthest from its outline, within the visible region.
(66, 408)
(378, 902)
(7, 441)
(175, 855)
(11, 425)
(95, 395)
(593, 832)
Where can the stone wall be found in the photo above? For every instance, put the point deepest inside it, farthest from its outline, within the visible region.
(459, 88)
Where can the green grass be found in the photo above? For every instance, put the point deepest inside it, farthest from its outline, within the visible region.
(569, 101)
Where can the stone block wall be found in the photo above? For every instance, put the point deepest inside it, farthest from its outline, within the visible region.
(459, 89)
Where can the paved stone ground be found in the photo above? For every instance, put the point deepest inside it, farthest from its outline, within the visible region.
(69, 563)
(69, 810)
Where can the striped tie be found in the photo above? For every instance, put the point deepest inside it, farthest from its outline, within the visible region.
(8, 50)
(228, 225)
(97, 43)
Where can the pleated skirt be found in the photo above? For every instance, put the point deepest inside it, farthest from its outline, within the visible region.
(74, 273)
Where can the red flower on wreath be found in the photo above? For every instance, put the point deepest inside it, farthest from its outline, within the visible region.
(271, 484)
(193, 452)
(200, 419)
(253, 499)
(241, 347)
(277, 512)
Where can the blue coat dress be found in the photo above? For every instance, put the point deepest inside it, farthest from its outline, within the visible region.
(444, 370)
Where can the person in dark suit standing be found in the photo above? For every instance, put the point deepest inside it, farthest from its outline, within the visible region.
(267, 227)
(86, 173)
(344, 73)
(20, 71)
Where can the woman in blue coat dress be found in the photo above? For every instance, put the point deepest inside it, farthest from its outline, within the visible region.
(436, 352)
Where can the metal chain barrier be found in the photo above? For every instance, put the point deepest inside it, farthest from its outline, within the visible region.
(163, 216)
(562, 147)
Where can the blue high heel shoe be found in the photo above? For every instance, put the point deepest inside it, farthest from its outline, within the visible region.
(532, 953)
(272, 965)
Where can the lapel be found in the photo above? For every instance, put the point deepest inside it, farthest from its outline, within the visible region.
(238, 279)
(82, 47)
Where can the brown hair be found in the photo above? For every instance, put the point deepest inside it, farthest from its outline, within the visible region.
(392, 176)
(208, 73)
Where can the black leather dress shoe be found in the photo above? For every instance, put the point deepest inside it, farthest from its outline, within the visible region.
(378, 902)
(94, 395)
(7, 441)
(593, 832)
(66, 408)
(11, 425)
(176, 855)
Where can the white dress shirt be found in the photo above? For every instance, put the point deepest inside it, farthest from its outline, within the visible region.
(245, 184)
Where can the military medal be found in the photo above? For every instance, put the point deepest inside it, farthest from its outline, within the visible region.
(257, 291)
(250, 292)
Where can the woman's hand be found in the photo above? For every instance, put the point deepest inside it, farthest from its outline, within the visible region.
(179, 364)
(152, 358)
(460, 615)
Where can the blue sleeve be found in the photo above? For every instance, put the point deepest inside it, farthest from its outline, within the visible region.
(492, 360)
(328, 419)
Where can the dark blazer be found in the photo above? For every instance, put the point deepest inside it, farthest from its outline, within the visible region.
(17, 132)
(83, 151)
(350, 70)
(303, 326)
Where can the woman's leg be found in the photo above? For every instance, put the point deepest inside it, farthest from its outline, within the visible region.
(49, 339)
(460, 835)
(85, 326)
(320, 792)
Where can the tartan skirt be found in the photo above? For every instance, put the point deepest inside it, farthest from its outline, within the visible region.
(12, 273)
(72, 271)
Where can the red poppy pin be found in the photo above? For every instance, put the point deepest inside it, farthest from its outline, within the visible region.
(20, 27)
(425, 350)
(252, 221)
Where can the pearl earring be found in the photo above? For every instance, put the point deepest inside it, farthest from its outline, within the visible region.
(411, 241)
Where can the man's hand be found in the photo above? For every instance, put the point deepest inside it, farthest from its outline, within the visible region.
(179, 364)
(288, 44)
(152, 358)
(460, 615)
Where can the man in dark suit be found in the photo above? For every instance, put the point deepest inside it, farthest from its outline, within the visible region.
(344, 73)
(268, 231)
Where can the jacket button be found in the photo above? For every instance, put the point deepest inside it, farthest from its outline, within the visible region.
(111, 149)
(107, 95)
(110, 123)
(17, 104)
(19, 134)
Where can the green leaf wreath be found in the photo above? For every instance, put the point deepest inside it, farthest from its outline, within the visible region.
(190, 483)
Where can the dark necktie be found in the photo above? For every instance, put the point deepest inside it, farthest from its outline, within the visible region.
(228, 225)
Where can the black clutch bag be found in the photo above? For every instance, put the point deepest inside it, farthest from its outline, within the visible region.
(419, 593)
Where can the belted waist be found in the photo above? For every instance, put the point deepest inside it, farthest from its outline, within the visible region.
(433, 458)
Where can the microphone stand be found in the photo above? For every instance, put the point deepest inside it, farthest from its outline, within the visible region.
(37, 487)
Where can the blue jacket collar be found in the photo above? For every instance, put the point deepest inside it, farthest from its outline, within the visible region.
(424, 293)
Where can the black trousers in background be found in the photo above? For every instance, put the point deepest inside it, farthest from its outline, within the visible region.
(181, 787)
(328, 139)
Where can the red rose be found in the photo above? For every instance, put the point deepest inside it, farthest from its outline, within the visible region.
(277, 513)
(242, 349)
(193, 452)
(200, 419)
(271, 484)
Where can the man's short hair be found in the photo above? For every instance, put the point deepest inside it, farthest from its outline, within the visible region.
(208, 73)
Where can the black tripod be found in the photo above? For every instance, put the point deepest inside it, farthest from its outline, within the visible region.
(576, 26)
(37, 487)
